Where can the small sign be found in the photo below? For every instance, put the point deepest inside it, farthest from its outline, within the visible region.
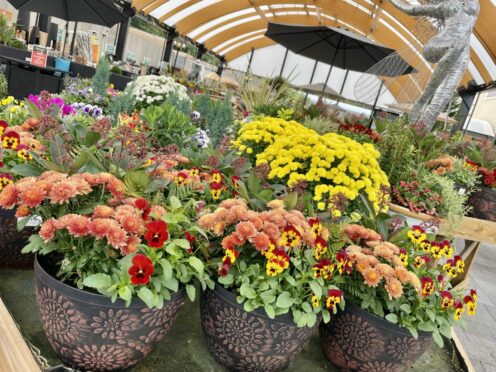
(39, 56)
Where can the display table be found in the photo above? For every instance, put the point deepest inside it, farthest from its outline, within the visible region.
(471, 230)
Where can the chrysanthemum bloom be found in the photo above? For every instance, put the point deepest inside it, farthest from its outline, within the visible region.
(257, 222)
(261, 241)
(22, 211)
(132, 224)
(416, 234)
(82, 187)
(52, 176)
(23, 153)
(5, 180)
(428, 287)
(62, 192)
(458, 309)
(117, 237)
(315, 301)
(141, 270)
(271, 230)
(334, 297)
(103, 211)
(246, 230)
(371, 277)
(8, 195)
(362, 265)
(275, 204)
(218, 228)
(386, 271)
(402, 274)
(156, 233)
(320, 248)
(415, 281)
(157, 211)
(396, 261)
(229, 241)
(44, 185)
(79, 226)
(394, 288)
(384, 252)
(116, 187)
(446, 300)
(11, 140)
(101, 226)
(124, 210)
(131, 245)
(32, 196)
(353, 249)
(373, 261)
(48, 229)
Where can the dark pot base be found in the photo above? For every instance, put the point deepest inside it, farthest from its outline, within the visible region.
(483, 203)
(249, 341)
(89, 332)
(12, 242)
(356, 340)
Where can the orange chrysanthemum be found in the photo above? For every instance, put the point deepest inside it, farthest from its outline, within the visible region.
(22, 211)
(62, 192)
(371, 277)
(48, 229)
(394, 288)
(117, 237)
(101, 226)
(261, 242)
(132, 224)
(402, 274)
(386, 271)
(8, 196)
(246, 230)
(79, 226)
(384, 252)
(32, 196)
(103, 211)
(116, 187)
(131, 245)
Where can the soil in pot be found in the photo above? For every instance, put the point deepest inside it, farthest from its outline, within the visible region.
(12, 242)
(249, 341)
(356, 340)
(483, 203)
(89, 332)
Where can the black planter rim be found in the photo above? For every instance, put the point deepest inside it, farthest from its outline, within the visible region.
(7, 213)
(383, 323)
(485, 189)
(260, 311)
(89, 297)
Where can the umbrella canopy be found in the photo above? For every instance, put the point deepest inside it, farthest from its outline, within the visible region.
(98, 12)
(335, 46)
(320, 88)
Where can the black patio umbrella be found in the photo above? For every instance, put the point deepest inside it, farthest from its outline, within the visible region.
(334, 46)
(98, 12)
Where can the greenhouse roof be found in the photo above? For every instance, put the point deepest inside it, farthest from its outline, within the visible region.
(233, 27)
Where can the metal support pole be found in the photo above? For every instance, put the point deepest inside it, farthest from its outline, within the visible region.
(284, 61)
(249, 66)
(326, 81)
(344, 82)
(332, 64)
(471, 112)
(66, 37)
(171, 35)
(311, 79)
(71, 51)
(371, 118)
(121, 39)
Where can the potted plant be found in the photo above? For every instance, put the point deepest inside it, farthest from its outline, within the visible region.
(15, 153)
(398, 298)
(111, 272)
(273, 287)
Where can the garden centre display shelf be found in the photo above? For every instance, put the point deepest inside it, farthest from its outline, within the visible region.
(471, 230)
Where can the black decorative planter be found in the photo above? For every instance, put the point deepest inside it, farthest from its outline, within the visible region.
(12, 242)
(356, 340)
(89, 332)
(483, 203)
(249, 341)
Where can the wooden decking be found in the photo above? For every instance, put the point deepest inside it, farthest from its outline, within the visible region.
(15, 355)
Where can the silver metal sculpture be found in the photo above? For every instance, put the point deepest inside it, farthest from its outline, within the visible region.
(450, 49)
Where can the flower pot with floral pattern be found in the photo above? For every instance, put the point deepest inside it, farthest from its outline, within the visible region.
(12, 242)
(249, 341)
(356, 340)
(483, 203)
(89, 332)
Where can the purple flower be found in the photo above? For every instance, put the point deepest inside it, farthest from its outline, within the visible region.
(67, 110)
(87, 108)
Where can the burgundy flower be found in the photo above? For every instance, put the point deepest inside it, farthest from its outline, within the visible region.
(141, 270)
(156, 234)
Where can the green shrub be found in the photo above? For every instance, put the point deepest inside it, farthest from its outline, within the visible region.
(321, 125)
(116, 70)
(4, 87)
(100, 80)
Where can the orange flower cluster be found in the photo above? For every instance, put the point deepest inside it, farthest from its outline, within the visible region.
(57, 188)
(274, 233)
(441, 165)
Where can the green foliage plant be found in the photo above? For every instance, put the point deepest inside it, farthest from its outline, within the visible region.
(101, 79)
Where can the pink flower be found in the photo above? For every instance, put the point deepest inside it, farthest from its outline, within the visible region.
(8, 196)
(132, 224)
(32, 196)
(131, 245)
(117, 237)
(246, 230)
(261, 241)
(101, 226)
(48, 229)
(61, 192)
(116, 187)
(79, 226)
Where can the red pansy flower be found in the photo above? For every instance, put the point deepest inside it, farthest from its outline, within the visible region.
(156, 233)
(11, 140)
(141, 270)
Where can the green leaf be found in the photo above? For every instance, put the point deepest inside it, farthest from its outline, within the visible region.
(406, 308)
(436, 336)
(445, 331)
(25, 170)
(307, 307)
(175, 203)
(191, 291)
(268, 297)
(246, 291)
(270, 311)
(172, 284)
(125, 293)
(91, 138)
(326, 317)
(166, 268)
(97, 281)
(284, 300)
(197, 264)
(316, 289)
(147, 296)
(393, 318)
(290, 201)
(427, 327)
(226, 280)
(183, 243)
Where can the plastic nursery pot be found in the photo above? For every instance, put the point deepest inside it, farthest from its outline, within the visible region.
(89, 332)
(12, 242)
(483, 203)
(249, 341)
(356, 340)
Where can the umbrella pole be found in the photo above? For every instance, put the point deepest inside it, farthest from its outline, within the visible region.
(284, 62)
(71, 51)
(371, 118)
(248, 68)
(65, 38)
(332, 64)
(326, 81)
(311, 79)
(344, 82)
